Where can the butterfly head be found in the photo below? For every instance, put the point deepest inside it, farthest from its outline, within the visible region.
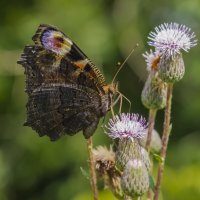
(111, 88)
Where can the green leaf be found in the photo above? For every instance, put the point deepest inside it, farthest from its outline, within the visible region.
(158, 157)
(85, 173)
(170, 129)
(151, 183)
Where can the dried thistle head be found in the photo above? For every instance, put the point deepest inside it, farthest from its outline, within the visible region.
(105, 165)
(104, 159)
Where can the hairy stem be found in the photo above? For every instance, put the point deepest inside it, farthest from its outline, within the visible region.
(165, 139)
(93, 179)
(152, 116)
(150, 192)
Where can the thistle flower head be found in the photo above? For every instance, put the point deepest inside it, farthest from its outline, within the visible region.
(152, 59)
(126, 126)
(170, 38)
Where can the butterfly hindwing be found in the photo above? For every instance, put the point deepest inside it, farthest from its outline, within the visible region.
(67, 108)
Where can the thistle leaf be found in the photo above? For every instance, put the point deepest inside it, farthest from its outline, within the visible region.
(85, 173)
(151, 183)
(158, 157)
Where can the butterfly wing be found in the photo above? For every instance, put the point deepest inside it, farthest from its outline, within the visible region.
(62, 108)
(65, 89)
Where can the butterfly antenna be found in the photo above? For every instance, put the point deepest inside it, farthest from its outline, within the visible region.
(124, 63)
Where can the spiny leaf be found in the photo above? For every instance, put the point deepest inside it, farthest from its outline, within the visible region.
(158, 157)
(85, 173)
(151, 183)
(170, 129)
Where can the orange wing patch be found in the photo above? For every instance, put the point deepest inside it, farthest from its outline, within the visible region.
(81, 64)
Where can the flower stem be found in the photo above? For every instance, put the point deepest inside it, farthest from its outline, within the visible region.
(165, 139)
(152, 116)
(93, 179)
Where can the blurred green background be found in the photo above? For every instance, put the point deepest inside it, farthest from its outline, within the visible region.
(33, 168)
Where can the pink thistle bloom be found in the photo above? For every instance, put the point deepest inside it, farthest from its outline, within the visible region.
(126, 126)
(170, 38)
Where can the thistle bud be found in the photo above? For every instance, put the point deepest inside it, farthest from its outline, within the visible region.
(135, 178)
(156, 143)
(154, 92)
(146, 159)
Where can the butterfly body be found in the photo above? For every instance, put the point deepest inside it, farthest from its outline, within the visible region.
(66, 91)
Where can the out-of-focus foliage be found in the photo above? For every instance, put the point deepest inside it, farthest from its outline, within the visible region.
(34, 168)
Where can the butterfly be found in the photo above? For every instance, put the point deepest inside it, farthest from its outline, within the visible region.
(66, 92)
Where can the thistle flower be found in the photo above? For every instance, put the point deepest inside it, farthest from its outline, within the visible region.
(152, 60)
(170, 38)
(135, 178)
(126, 126)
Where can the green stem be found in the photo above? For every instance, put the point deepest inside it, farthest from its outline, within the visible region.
(150, 192)
(165, 139)
(152, 116)
(93, 179)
